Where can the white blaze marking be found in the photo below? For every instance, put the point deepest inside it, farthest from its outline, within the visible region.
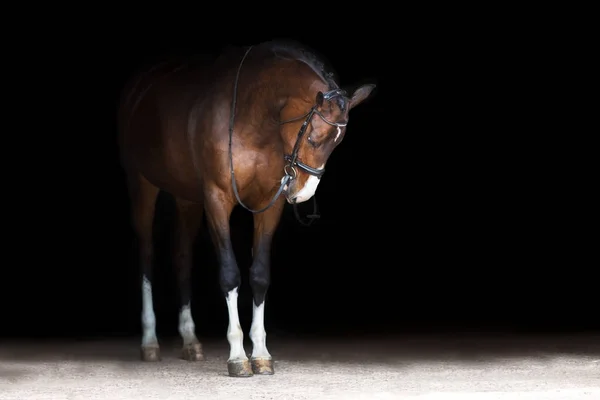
(258, 335)
(339, 132)
(235, 335)
(309, 189)
(187, 328)
(148, 318)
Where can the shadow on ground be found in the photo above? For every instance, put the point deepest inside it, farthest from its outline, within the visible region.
(371, 349)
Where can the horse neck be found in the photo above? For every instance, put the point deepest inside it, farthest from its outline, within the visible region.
(287, 90)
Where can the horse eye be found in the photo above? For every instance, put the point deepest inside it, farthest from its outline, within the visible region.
(312, 142)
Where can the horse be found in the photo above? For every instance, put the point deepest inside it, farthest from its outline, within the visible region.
(253, 127)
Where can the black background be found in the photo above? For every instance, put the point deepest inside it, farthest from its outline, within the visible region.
(440, 210)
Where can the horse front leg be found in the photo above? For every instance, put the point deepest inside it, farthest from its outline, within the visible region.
(218, 211)
(265, 224)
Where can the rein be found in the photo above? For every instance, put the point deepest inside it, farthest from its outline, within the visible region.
(289, 169)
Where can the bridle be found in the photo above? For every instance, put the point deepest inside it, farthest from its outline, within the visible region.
(292, 161)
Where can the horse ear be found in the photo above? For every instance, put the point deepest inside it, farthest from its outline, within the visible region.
(319, 100)
(361, 94)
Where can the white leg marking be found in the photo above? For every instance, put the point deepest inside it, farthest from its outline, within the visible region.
(187, 328)
(339, 132)
(258, 335)
(235, 336)
(148, 318)
(309, 189)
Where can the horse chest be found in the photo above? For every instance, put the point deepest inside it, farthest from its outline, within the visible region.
(257, 169)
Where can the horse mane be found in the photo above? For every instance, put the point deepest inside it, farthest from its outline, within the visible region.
(287, 49)
(295, 50)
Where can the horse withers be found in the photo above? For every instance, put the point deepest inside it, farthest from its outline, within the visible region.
(253, 127)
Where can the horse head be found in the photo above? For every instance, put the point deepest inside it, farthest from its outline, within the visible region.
(323, 129)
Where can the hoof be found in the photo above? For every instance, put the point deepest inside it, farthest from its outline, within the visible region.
(192, 352)
(262, 366)
(150, 353)
(239, 368)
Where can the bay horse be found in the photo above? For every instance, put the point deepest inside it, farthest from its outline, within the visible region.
(253, 127)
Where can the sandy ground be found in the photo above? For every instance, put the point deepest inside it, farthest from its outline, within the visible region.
(433, 367)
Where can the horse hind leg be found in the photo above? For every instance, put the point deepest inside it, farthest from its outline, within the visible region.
(143, 201)
(189, 219)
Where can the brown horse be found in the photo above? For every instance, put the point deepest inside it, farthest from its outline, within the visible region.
(254, 127)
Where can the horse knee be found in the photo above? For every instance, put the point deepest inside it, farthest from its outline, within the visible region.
(229, 278)
(260, 280)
